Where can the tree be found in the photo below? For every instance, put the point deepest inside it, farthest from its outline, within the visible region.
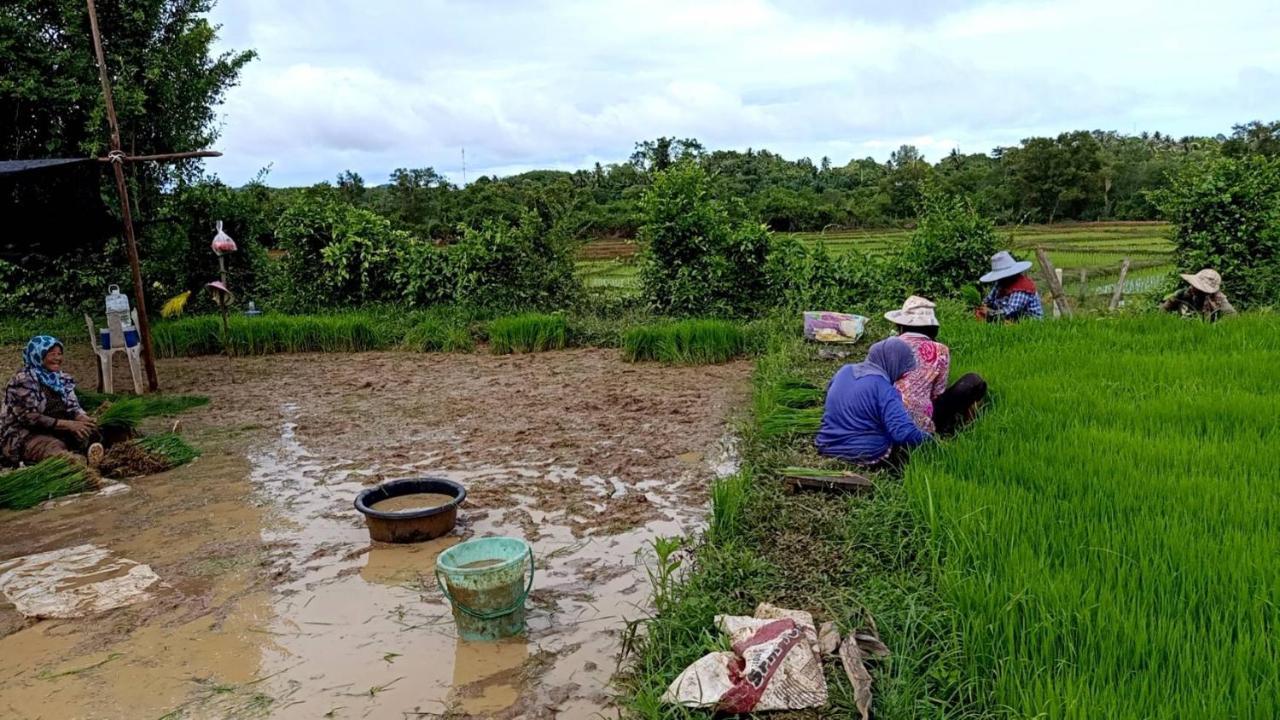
(1056, 177)
(1256, 138)
(351, 187)
(658, 155)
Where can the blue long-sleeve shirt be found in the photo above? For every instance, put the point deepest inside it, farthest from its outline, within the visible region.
(864, 418)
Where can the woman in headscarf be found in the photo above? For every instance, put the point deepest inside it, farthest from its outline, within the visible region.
(864, 420)
(42, 416)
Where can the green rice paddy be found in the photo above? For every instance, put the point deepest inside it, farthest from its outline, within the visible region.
(685, 342)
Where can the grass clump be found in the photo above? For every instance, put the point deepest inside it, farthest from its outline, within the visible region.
(29, 486)
(528, 332)
(685, 342)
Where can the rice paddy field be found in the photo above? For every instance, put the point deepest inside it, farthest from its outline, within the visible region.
(1103, 542)
(1096, 248)
(1108, 535)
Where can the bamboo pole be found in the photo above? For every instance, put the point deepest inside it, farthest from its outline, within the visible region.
(117, 159)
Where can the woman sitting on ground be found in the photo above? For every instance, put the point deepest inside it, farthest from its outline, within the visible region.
(42, 416)
(933, 406)
(1013, 295)
(1201, 298)
(864, 420)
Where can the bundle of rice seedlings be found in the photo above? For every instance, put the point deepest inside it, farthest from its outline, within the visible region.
(123, 415)
(152, 405)
(786, 422)
(147, 456)
(530, 332)
(816, 473)
(169, 446)
(798, 394)
(54, 477)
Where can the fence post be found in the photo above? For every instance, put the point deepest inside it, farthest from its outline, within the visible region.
(1054, 278)
(1118, 295)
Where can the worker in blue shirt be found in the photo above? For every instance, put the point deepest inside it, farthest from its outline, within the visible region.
(864, 420)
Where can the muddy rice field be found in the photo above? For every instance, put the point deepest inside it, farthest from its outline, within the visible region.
(273, 602)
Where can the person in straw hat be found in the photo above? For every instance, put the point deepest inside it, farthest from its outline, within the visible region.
(932, 405)
(1013, 295)
(1202, 296)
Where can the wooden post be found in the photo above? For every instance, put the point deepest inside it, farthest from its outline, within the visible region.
(117, 166)
(1055, 284)
(1119, 291)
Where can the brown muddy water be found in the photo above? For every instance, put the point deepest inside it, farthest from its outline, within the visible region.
(412, 501)
(273, 602)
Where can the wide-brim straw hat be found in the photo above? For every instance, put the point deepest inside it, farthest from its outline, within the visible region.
(1206, 281)
(1003, 265)
(915, 312)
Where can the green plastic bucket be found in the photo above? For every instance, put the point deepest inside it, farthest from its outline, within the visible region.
(487, 581)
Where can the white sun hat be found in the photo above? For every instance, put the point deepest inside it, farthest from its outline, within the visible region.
(915, 312)
(1206, 281)
(1003, 265)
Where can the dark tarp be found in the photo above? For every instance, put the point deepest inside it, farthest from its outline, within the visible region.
(51, 207)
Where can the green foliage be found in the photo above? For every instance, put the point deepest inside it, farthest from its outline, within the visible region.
(529, 332)
(509, 267)
(686, 342)
(268, 334)
(1106, 514)
(811, 278)
(29, 486)
(335, 254)
(1226, 215)
(697, 260)
(950, 249)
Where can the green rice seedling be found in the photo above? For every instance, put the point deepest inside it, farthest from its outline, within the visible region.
(786, 422)
(170, 446)
(529, 332)
(728, 496)
(29, 486)
(686, 342)
(153, 405)
(130, 410)
(342, 332)
(798, 394)
(1106, 533)
(435, 334)
(122, 415)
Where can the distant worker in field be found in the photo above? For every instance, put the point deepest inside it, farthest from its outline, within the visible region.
(42, 416)
(933, 406)
(864, 420)
(1013, 295)
(1202, 297)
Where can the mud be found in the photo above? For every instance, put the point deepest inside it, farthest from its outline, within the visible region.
(273, 601)
(414, 501)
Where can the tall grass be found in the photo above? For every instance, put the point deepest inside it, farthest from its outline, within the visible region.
(529, 332)
(685, 342)
(1109, 532)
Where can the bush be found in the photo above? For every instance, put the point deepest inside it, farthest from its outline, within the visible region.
(950, 249)
(336, 254)
(530, 332)
(507, 267)
(688, 342)
(697, 260)
(801, 278)
(1226, 215)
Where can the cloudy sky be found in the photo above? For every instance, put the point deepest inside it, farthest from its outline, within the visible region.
(372, 85)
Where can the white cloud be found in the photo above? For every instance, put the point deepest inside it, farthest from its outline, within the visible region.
(381, 84)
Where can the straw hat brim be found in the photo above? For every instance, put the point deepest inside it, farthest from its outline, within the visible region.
(898, 317)
(1200, 284)
(1014, 269)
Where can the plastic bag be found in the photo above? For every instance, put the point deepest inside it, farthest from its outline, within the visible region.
(222, 242)
(74, 582)
(833, 327)
(775, 665)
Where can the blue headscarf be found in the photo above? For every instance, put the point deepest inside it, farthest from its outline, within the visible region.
(890, 359)
(33, 356)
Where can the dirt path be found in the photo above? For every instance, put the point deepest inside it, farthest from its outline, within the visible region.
(275, 603)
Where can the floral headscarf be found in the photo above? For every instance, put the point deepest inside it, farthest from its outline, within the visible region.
(37, 348)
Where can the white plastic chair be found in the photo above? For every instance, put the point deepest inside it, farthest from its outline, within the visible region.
(115, 333)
